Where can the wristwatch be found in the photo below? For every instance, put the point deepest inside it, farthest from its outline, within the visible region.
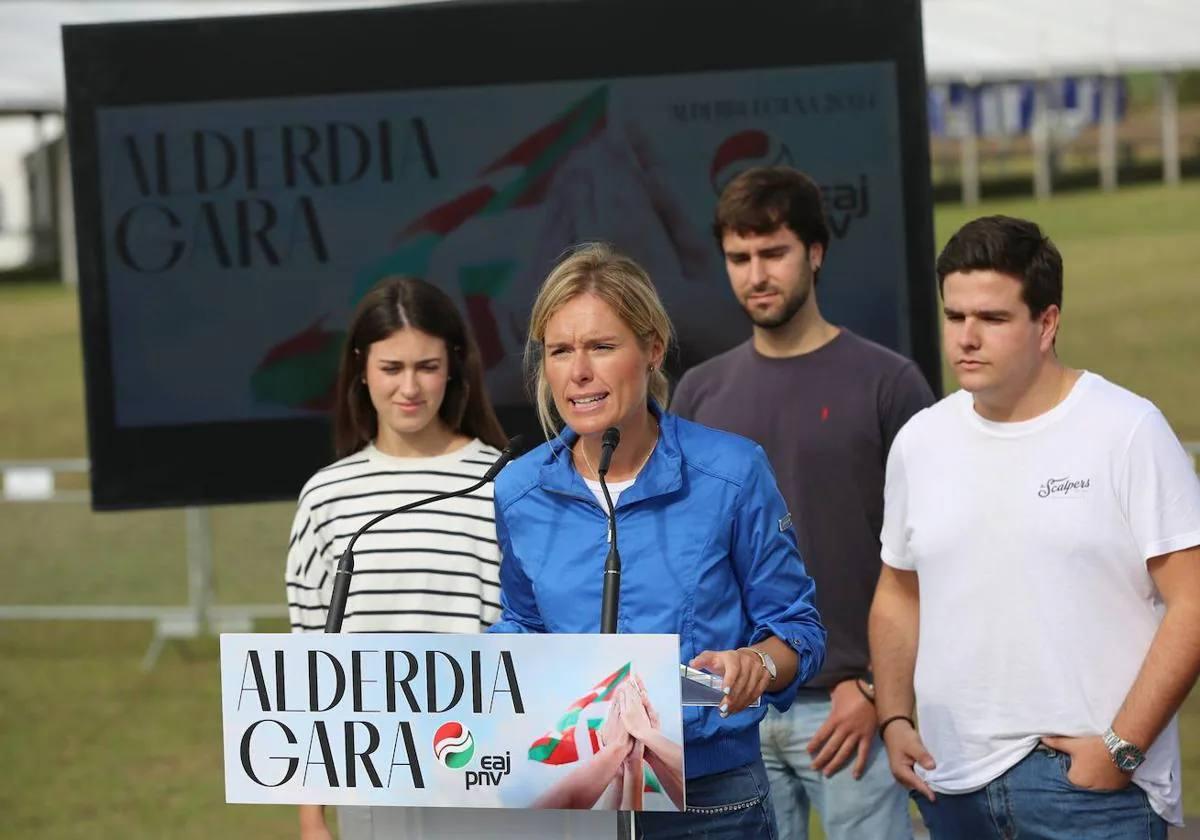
(1128, 757)
(767, 662)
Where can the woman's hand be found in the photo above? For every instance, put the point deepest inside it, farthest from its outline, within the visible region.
(655, 721)
(613, 733)
(663, 755)
(633, 712)
(741, 672)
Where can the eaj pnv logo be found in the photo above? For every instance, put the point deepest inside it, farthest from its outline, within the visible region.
(453, 745)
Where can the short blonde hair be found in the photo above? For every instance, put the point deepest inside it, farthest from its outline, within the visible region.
(599, 269)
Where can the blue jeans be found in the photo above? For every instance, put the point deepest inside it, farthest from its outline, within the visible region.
(1034, 800)
(871, 808)
(732, 805)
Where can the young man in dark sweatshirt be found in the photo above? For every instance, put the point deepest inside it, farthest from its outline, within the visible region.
(825, 404)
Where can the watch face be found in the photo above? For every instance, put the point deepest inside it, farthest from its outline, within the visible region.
(1128, 758)
(770, 663)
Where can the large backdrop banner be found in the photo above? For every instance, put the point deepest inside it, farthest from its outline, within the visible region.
(219, 214)
(231, 215)
(503, 721)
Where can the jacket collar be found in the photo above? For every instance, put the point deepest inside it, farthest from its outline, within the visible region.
(662, 474)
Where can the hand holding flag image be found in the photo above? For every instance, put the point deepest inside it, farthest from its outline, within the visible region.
(558, 745)
(628, 754)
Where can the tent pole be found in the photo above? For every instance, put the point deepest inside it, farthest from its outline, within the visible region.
(1108, 133)
(1041, 139)
(1169, 106)
(969, 150)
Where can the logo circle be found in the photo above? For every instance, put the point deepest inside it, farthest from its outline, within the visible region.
(744, 150)
(453, 745)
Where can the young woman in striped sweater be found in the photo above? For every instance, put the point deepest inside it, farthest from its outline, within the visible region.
(411, 418)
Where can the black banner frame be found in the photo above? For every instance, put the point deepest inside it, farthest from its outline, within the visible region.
(404, 47)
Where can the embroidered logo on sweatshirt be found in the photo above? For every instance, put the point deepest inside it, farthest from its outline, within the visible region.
(785, 523)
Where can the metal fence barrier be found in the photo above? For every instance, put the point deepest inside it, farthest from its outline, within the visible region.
(38, 482)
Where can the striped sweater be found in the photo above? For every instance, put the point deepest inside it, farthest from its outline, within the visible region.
(432, 570)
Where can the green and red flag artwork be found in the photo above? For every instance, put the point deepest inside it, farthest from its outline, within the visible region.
(300, 371)
(558, 745)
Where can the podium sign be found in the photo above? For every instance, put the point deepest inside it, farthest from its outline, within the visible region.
(486, 721)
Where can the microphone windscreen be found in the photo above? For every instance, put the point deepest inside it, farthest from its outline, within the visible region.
(612, 437)
(511, 450)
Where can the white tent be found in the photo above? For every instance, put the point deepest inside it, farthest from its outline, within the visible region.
(969, 41)
(1001, 40)
(979, 41)
(31, 74)
(965, 40)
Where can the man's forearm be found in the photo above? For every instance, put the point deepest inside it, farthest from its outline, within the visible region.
(1173, 659)
(583, 786)
(634, 781)
(893, 629)
(1165, 678)
(663, 747)
(665, 757)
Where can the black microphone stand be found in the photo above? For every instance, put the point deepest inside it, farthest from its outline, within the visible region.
(611, 598)
(345, 569)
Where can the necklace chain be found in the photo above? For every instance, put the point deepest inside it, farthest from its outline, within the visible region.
(595, 472)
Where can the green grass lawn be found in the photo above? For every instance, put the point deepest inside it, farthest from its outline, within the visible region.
(92, 747)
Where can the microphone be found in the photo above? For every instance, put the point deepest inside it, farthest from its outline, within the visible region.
(345, 569)
(608, 444)
(515, 444)
(612, 564)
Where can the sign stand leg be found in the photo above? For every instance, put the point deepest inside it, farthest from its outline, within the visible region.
(196, 619)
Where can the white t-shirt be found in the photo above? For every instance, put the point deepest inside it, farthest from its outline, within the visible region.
(1030, 541)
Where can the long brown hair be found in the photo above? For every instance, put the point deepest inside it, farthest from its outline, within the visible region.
(397, 303)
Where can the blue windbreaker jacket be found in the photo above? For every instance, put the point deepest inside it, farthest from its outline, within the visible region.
(707, 550)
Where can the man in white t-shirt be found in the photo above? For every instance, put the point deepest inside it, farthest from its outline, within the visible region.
(1040, 593)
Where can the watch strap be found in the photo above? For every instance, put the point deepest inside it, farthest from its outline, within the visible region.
(1126, 755)
(763, 658)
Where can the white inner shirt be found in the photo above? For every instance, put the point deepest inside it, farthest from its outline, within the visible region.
(615, 489)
